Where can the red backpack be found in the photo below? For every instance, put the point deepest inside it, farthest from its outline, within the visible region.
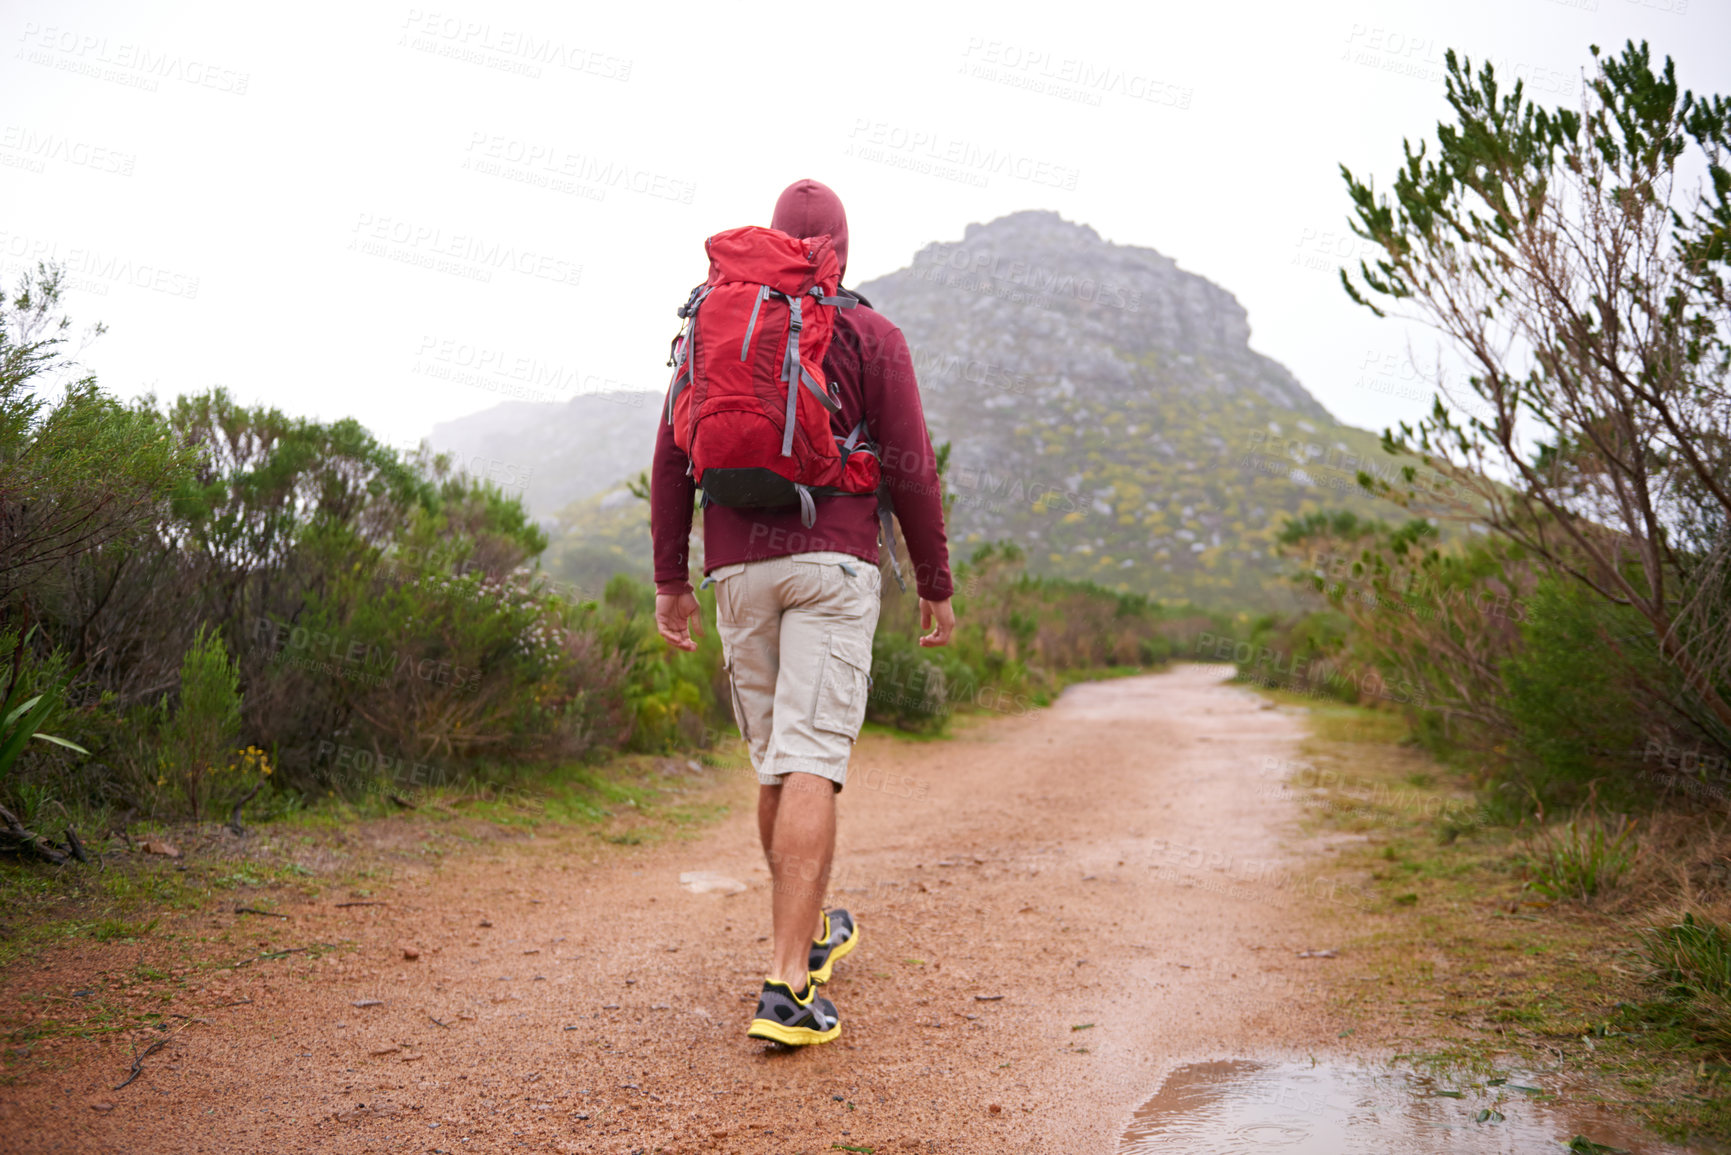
(748, 403)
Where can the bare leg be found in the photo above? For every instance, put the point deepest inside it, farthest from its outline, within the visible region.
(796, 822)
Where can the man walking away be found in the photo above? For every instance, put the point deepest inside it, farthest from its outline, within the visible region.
(797, 594)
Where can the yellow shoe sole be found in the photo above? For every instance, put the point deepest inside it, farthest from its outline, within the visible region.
(835, 956)
(791, 1036)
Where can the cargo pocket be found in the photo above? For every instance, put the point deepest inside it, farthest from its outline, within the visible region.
(738, 709)
(843, 686)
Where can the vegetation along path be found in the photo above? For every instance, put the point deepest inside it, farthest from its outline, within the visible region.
(1057, 910)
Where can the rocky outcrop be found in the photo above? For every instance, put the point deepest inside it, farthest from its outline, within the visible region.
(1105, 411)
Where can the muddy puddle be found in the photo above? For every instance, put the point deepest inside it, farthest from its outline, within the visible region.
(1240, 1107)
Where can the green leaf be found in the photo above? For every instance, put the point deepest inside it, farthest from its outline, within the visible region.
(60, 742)
(13, 717)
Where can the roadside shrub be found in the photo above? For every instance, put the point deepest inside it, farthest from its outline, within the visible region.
(670, 696)
(197, 737)
(909, 689)
(1581, 695)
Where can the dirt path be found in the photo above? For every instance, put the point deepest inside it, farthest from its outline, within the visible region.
(1110, 861)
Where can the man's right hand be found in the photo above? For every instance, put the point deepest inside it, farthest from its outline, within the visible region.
(940, 619)
(678, 617)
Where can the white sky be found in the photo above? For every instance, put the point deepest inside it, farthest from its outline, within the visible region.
(242, 193)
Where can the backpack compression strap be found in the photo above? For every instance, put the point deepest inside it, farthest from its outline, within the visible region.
(792, 371)
(679, 355)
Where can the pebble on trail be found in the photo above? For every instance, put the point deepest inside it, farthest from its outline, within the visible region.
(709, 882)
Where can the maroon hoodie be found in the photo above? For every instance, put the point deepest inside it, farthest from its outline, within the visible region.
(868, 359)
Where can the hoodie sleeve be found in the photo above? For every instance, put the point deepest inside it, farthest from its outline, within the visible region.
(671, 492)
(909, 466)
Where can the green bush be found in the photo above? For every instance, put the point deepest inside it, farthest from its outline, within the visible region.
(1305, 652)
(1580, 692)
(671, 695)
(909, 689)
(197, 738)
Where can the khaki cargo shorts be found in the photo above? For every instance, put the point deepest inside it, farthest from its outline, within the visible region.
(796, 638)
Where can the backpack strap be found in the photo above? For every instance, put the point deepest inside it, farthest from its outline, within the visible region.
(888, 534)
(751, 325)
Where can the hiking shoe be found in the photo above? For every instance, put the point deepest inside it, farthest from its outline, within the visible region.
(840, 936)
(794, 1020)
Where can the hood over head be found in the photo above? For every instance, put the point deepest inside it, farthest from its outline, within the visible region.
(809, 208)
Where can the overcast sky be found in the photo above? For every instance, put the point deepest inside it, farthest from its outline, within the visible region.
(393, 211)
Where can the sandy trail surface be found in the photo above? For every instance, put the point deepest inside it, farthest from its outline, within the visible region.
(1056, 910)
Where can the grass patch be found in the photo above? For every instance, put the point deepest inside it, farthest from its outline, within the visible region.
(1691, 960)
(1586, 858)
(1490, 946)
(118, 929)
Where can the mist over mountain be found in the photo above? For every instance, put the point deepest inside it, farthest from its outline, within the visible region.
(1104, 408)
(555, 453)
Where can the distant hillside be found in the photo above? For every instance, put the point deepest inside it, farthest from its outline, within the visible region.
(558, 453)
(1104, 407)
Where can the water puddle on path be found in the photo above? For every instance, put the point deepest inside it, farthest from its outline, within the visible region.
(1241, 1107)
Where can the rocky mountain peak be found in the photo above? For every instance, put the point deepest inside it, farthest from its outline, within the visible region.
(1061, 285)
